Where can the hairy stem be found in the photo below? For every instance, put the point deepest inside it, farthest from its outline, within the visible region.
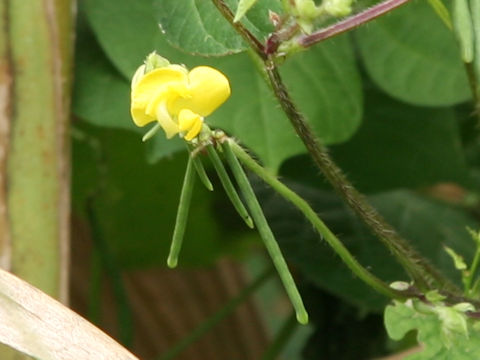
(418, 267)
(251, 40)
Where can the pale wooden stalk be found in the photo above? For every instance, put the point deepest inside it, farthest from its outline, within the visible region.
(36, 43)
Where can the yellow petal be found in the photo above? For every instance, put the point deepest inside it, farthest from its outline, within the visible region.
(138, 75)
(139, 117)
(166, 122)
(209, 89)
(191, 122)
(194, 131)
(186, 119)
(149, 86)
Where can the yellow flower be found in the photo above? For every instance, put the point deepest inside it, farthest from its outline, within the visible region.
(177, 98)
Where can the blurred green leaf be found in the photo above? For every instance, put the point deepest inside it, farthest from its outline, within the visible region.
(427, 224)
(242, 8)
(101, 94)
(126, 30)
(413, 56)
(136, 202)
(397, 145)
(438, 341)
(327, 87)
(197, 27)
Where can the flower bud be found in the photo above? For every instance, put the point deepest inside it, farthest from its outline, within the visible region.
(155, 61)
(338, 8)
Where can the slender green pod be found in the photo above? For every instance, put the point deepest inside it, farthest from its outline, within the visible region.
(462, 24)
(228, 186)
(266, 234)
(197, 162)
(182, 215)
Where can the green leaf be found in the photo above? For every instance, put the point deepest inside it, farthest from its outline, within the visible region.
(457, 259)
(197, 27)
(396, 146)
(326, 85)
(125, 29)
(427, 224)
(411, 55)
(242, 8)
(441, 332)
(101, 94)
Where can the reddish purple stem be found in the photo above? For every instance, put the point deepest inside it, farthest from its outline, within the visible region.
(350, 22)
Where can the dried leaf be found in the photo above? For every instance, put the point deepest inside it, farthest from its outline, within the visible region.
(37, 325)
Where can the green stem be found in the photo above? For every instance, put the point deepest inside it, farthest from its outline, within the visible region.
(422, 272)
(472, 271)
(256, 45)
(266, 234)
(228, 186)
(310, 214)
(281, 339)
(213, 320)
(182, 215)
